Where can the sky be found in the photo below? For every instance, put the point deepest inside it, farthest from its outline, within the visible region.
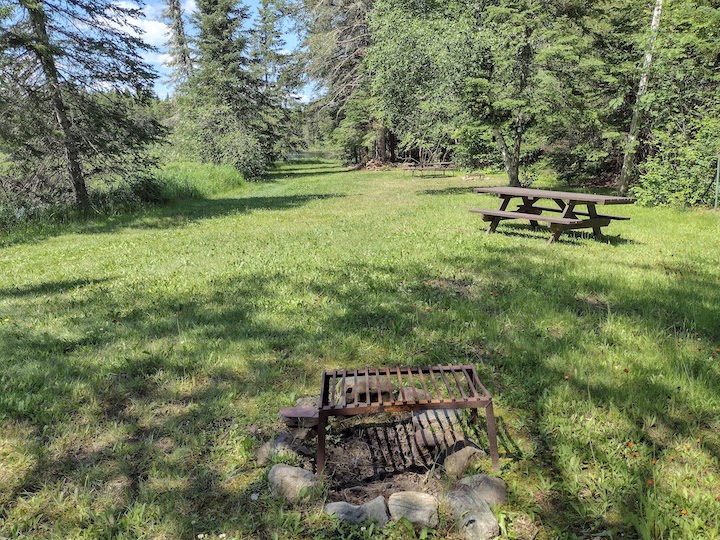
(155, 33)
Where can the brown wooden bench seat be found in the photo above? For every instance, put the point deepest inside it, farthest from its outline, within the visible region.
(576, 212)
(488, 215)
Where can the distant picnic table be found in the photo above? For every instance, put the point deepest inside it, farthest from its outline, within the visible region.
(566, 204)
(432, 166)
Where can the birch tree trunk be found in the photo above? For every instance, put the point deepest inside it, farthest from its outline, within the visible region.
(511, 158)
(631, 146)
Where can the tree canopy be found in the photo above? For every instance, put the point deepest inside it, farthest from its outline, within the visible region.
(574, 87)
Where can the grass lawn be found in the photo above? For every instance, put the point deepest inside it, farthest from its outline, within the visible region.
(143, 358)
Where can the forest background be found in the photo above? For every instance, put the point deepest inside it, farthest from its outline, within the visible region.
(584, 91)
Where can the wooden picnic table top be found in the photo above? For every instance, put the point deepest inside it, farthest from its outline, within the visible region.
(507, 191)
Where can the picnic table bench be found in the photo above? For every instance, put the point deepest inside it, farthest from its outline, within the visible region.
(566, 205)
(435, 166)
(351, 392)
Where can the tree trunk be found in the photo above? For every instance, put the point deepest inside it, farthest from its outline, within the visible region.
(631, 146)
(511, 159)
(44, 52)
(392, 146)
(381, 144)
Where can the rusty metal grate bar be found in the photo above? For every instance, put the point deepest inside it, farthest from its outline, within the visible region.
(346, 393)
(353, 392)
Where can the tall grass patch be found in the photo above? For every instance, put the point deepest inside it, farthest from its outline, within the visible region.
(183, 180)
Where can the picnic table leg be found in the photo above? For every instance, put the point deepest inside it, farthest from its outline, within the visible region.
(496, 220)
(528, 208)
(556, 232)
(593, 215)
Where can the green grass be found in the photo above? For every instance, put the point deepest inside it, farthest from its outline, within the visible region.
(198, 179)
(143, 358)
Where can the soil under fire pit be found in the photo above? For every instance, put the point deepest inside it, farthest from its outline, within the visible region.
(381, 456)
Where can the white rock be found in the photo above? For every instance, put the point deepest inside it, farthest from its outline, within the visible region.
(457, 463)
(475, 519)
(489, 488)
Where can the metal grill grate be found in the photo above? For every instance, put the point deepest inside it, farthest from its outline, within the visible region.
(374, 390)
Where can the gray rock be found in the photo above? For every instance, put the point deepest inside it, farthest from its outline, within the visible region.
(457, 463)
(375, 386)
(418, 508)
(312, 402)
(441, 420)
(412, 394)
(433, 438)
(304, 417)
(281, 446)
(475, 519)
(374, 510)
(291, 483)
(489, 488)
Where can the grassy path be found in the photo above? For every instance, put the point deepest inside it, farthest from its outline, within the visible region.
(143, 358)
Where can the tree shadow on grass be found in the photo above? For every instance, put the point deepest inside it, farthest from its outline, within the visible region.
(575, 237)
(447, 191)
(304, 172)
(154, 430)
(48, 287)
(168, 217)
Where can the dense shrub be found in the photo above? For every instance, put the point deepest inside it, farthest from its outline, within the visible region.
(682, 169)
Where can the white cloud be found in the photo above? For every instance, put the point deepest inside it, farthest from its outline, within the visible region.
(153, 32)
(157, 58)
(154, 11)
(189, 6)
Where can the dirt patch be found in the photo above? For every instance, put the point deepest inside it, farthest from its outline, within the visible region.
(383, 457)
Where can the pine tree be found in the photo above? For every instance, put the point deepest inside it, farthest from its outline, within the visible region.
(268, 43)
(72, 78)
(222, 107)
(178, 45)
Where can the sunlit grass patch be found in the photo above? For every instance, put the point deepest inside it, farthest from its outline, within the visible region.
(145, 357)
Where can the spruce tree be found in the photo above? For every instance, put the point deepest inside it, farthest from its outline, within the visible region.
(268, 43)
(72, 79)
(178, 44)
(221, 110)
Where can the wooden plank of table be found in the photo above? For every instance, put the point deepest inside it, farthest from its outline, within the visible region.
(551, 194)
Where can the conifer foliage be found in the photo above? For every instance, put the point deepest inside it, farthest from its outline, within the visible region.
(222, 107)
(72, 91)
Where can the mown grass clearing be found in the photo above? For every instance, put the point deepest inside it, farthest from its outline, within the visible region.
(144, 357)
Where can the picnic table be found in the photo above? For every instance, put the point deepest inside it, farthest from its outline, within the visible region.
(434, 166)
(566, 204)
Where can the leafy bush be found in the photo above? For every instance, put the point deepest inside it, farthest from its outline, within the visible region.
(682, 170)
